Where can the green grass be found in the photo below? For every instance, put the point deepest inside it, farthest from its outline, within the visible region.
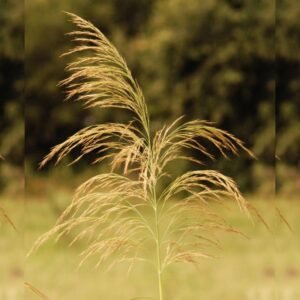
(267, 266)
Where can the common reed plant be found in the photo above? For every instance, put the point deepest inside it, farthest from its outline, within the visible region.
(118, 213)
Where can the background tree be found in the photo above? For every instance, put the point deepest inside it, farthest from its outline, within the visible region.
(215, 60)
(287, 97)
(12, 93)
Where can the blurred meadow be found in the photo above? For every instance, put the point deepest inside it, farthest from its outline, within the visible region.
(265, 265)
(233, 62)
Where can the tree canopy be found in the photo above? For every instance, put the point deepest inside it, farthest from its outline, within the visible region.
(232, 62)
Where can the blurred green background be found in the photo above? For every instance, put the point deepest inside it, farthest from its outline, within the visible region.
(233, 62)
(197, 58)
(11, 95)
(220, 60)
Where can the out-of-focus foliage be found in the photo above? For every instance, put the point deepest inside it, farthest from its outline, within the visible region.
(48, 120)
(288, 97)
(215, 59)
(11, 93)
(219, 60)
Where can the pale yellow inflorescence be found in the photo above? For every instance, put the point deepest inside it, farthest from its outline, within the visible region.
(117, 214)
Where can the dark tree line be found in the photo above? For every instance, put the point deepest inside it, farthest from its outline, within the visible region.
(233, 62)
(11, 92)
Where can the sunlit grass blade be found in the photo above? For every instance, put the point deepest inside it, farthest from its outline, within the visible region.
(35, 291)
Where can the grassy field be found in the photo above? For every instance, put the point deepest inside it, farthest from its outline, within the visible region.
(267, 266)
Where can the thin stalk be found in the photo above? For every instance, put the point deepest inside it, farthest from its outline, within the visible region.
(157, 241)
(158, 253)
(152, 190)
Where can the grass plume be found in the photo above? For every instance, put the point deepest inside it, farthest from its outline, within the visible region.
(117, 213)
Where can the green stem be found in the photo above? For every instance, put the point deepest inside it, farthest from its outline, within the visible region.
(152, 187)
(158, 255)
